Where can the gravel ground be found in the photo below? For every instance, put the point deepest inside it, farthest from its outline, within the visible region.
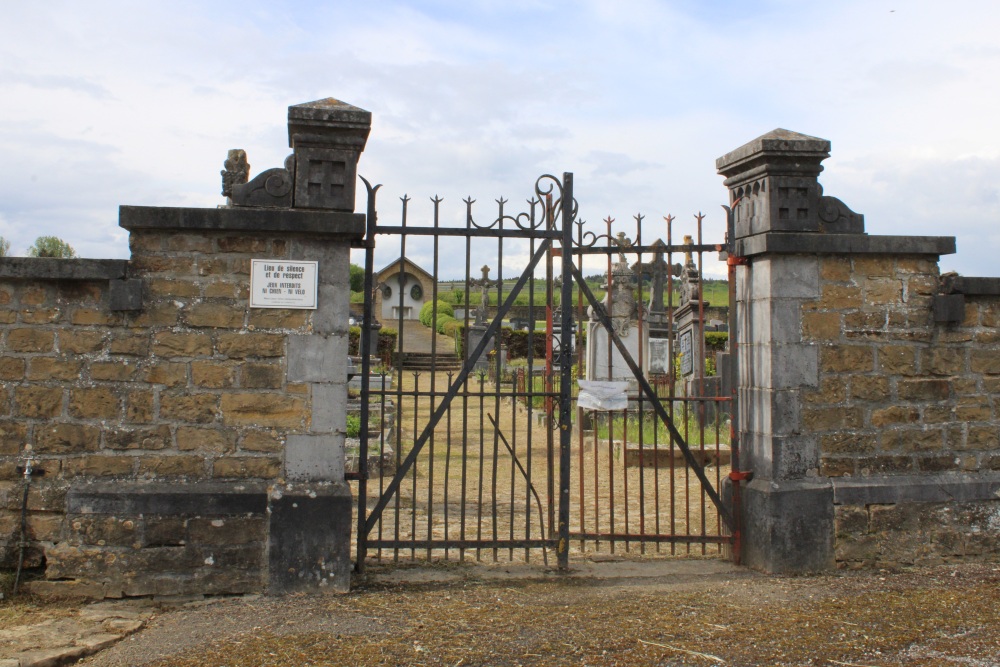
(609, 613)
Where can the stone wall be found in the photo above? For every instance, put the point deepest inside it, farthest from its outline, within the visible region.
(182, 441)
(867, 382)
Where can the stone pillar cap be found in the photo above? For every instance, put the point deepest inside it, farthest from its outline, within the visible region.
(801, 151)
(328, 123)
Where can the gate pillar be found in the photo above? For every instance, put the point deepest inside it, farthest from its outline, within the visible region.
(795, 291)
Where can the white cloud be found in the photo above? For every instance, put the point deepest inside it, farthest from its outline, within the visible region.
(111, 102)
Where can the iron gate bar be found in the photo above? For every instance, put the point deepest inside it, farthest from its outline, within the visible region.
(666, 248)
(365, 349)
(658, 407)
(405, 465)
(487, 232)
(566, 371)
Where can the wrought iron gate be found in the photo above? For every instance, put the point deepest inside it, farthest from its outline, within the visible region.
(464, 453)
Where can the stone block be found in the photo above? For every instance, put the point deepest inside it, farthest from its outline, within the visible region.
(190, 408)
(788, 527)
(125, 295)
(329, 408)
(177, 289)
(98, 466)
(214, 440)
(182, 344)
(982, 438)
(262, 375)
(869, 388)
(831, 419)
(792, 366)
(795, 277)
(836, 269)
(883, 292)
(848, 442)
(242, 244)
(134, 343)
(310, 539)
(850, 521)
(35, 316)
(213, 375)
(840, 297)
(215, 315)
(244, 467)
(139, 407)
(167, 373)
(278, 318)
(12, 368)
(196, 243)
(330, 316)
(907, 440)
(986, 362)
(846, 359)
(822, 326)
(38, 402)
(182, 465)
(264, 410)
(884, 465)
(12, 437)
(93, 317)
(923, 390)
(314, 458)
(149, 438)
(162, 531)
(222, 289)
(248, 345)
(101, 530)
(94, 403)
(113, 371)
(162, 314)
(974, 409)
(897, 359)
(894, 415)
(832, 389)
(30, 340)
(317, 358)
(938, 462)
(943, 361)
(261, 441)
(227, 530)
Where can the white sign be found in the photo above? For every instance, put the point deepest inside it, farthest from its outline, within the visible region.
(279, 283)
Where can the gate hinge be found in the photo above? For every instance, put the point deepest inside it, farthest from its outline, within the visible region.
(741, 476)
(732, 260)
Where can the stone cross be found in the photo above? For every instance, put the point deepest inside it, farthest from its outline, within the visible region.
(484, 284)
(658, 270)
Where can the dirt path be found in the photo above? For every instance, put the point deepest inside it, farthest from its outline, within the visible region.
(621, 613)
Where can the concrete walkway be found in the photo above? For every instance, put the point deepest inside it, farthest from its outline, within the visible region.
(417, 338)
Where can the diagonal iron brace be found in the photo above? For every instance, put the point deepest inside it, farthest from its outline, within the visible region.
(648, 391)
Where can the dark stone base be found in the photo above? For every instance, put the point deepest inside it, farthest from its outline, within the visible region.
(310, 539)
(788, 527)
(127, 539)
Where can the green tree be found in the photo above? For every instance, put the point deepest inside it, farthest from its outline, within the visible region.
(51, 246)
(357, 278)
(4, 247)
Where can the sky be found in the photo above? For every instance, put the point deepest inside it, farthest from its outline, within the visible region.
(106, 103)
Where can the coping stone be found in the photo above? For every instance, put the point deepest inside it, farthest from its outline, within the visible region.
(976, 286)
(243, 219)
(835, 244)
(939, 488)
(58, 268)
(170, 499)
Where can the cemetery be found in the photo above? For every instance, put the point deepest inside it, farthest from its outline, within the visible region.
(201, 419)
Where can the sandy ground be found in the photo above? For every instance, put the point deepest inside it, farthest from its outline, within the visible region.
(665, 612)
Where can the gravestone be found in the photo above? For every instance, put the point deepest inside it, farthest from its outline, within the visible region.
(477, 330)
(690, 319)
(658, 270)
(604, 361)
